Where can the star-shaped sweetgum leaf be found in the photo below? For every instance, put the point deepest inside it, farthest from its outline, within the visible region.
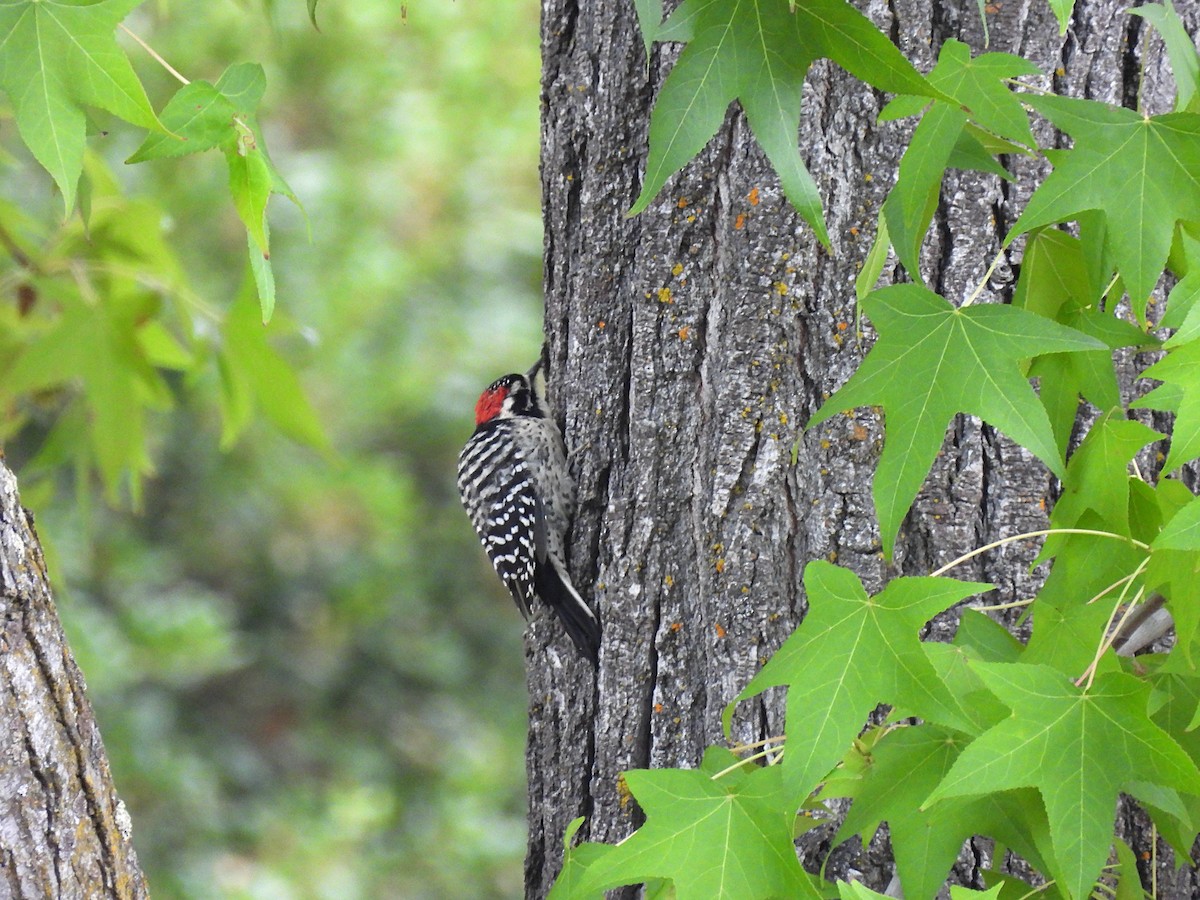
(904, 767)
(851, 653)
(933, 361)
(1142, 172)
(716, 838)
(56, 57)
(980, 85)
(1079, 746)
(758, 52)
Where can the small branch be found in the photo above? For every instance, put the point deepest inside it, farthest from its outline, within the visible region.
(1126, 580)
(1032, 88)
(997, 607)
(1089, 674)
(1032, 534)
(162, 62)
(741, 748)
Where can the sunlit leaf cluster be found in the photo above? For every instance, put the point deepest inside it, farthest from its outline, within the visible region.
(107, 327)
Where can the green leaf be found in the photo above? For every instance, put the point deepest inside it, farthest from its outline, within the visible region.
(200, 118)
(1129, 880)
(1079, 747)
(1174, 571)
(728, 838)
(971, 153)
(1185, 63)
(650, 19)
(904, 767)
(1180, 393)
(243, 85)
(1070, 622)
(1056, 282)
(978, 90)
(856, 890)
(952, 663)
(1098, 474)
(1182, 532)
(872, 267)
(851, 653)
(250, 184)
(1062, 12)
(312, 13)
(223, 115)
(932, 361)
(95, 345)
(264, 279)
(758, 52)
(988, 639)
(957, 892)
(253, 375)
(56, 58)
(576, 861)
(980, 86)
(910, 205)
(1142, 173)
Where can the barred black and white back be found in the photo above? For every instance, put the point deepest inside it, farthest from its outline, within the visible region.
(499, 496)
(514, 483)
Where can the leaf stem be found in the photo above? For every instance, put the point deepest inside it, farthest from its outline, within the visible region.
(1038, 890)
(1112, 284)
(986, 275)
(741, 762)
(1110, 633)
(1125, 580)
(162, 62)
(996, 607)
(740, 747)
(1032, 534)
(1032, 88)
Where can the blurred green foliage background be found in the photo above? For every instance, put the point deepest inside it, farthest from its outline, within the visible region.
(308, 680)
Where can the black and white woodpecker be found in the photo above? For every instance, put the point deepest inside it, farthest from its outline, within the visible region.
(517, 489)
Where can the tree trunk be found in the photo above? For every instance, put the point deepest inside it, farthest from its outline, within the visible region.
(63, 831)
(689, 346)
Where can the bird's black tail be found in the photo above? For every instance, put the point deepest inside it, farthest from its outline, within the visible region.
(555, 588)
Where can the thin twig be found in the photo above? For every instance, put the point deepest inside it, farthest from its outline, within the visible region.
(748, 759)
(1126, 580)
(166, 65)
(1032, 534)
(997, 607)
(740, 748)
(1089, 674)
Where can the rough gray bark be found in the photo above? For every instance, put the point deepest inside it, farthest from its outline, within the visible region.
(63, 831)
(690, 343)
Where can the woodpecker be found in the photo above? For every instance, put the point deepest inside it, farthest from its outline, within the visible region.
(515, 486)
